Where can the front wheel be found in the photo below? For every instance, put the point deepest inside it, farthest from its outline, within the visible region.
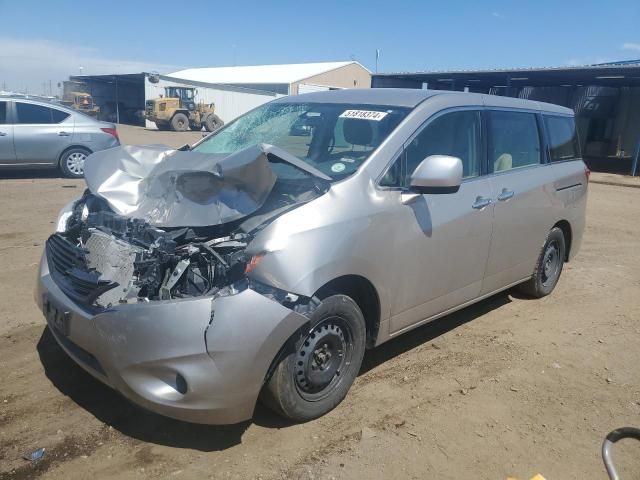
(323, 361)
(72, 162)
(179, 123)
(548, 267)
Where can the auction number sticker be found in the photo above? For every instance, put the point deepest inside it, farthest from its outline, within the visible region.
(364, 114)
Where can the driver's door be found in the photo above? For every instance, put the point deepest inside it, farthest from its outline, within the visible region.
(443, 248)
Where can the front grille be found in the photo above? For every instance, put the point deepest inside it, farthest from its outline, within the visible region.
(69, 269)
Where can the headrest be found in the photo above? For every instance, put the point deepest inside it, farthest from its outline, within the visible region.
(357, 131)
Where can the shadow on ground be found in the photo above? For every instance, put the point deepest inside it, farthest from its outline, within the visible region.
(35, 173)
(113, 409)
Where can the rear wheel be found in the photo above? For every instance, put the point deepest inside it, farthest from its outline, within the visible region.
(72, 162)
(213, 122)
(180, 122)
(322, 363)
(548, 267)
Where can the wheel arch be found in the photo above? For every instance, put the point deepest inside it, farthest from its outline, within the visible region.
(364, 293)
(565, 226)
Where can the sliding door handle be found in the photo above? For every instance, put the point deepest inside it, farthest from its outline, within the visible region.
(64, 134)
(505, 195)
(481, 202)
(3, 134)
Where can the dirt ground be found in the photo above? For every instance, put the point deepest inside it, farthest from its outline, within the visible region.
(509, 386)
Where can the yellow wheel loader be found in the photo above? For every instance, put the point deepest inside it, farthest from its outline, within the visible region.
(177, 110)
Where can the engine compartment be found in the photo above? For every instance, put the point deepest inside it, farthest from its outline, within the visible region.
(118, 259)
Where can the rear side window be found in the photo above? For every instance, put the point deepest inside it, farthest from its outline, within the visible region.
(3, 113)
(514, 140)
(563, 138)
(31, 114)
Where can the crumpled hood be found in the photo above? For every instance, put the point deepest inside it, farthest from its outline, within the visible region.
(171, 188)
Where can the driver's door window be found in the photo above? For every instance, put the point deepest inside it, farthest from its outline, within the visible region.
(456, 134)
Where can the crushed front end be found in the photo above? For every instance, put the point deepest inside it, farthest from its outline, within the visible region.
(168, 315)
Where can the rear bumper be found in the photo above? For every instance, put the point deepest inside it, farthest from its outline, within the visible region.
(200, 360)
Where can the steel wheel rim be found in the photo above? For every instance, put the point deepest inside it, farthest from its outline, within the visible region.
(323, 359)
(75, 162)
(551, 262)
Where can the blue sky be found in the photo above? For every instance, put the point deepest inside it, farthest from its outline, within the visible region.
(38, 42)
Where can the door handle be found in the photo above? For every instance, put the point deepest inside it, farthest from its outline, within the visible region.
(3, 134)
(481, 202)
(64, 134)
(505, 195)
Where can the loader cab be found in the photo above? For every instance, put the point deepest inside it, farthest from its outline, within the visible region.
(186, 95)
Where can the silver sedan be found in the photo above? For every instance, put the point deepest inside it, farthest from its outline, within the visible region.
(37, 134)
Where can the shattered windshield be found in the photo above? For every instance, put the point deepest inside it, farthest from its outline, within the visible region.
(334, 138)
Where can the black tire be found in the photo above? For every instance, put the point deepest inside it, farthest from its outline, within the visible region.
(163, 127)
(180, 123)
(72, 162)
(213, 122)
(548, 267)
(321, 364)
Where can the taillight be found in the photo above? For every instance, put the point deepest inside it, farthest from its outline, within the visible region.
(111, 131)
(587, 172)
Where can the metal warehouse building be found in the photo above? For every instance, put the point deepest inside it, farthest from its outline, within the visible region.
(121, 98)
(605, 97)
(291, 79)
(234, 90)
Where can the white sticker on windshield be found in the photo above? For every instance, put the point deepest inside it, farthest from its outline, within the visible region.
(364, 114)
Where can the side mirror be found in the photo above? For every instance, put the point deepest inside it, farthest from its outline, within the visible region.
(437, 174)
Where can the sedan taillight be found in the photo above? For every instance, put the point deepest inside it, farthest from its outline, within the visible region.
(111, 131)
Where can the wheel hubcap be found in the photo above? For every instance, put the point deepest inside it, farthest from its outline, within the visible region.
(550, 263)
(75, 163)
(322, 358)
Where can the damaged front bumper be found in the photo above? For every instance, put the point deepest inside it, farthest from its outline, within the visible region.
(201, 359)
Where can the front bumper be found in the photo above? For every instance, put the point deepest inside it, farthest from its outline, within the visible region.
(200, 360)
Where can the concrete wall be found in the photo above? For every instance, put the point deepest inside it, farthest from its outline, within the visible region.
(349, 76)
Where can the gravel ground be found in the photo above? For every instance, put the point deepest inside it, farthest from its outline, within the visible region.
(509, 386)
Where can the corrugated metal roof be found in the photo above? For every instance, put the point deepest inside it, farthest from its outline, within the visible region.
(257, 74)
(604, 66)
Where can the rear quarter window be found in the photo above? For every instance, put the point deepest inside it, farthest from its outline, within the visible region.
(58, 115)
(563, 138)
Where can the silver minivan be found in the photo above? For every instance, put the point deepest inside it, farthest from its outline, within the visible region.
(263, 261)
(40, 134)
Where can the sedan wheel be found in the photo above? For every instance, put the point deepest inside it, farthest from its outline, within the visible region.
(72, 163)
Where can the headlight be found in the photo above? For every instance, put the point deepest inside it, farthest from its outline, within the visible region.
(85, 213)
(64, 215)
